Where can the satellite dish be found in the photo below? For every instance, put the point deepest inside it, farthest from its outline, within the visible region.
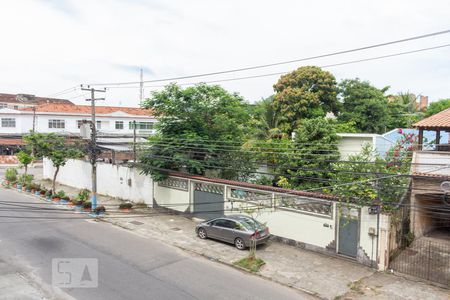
(445, 186)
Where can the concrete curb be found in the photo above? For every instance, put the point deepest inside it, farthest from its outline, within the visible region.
(114, 223)
(211, 258)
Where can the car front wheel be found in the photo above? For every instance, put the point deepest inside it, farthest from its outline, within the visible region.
(239, 243)
(202, 233)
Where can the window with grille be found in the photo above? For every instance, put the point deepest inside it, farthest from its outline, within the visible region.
(119, 124)
(3, 105)
(56, 124)
(8, 122)
(141, 125)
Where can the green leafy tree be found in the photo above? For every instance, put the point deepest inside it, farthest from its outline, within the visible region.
(307, 92)
(365, 105)
(264, 121)
(25, 159)
(313, 150)
(367, 177)
(437, 106)
(54, 148)
(197, 128)
(403, 111)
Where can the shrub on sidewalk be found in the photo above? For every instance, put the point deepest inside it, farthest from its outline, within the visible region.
(126, 205)
(83, 195)
(25, 179)
(100, 210)
(11, 175)
(87, 205)
(61, 194)
(250, 263)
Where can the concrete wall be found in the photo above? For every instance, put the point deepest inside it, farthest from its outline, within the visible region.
(368, 242)
(353, 144)
(350, 145)
(300, 227)
(314, 230)
(171, 198)
(113, 180)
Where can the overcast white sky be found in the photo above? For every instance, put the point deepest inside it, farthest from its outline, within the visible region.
(51, 45)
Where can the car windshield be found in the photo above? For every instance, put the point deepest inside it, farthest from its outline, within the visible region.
(251, 224)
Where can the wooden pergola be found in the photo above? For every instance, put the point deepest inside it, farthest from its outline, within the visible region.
(439, 122)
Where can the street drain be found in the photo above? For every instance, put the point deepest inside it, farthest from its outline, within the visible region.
(175, 229)
(136, 223)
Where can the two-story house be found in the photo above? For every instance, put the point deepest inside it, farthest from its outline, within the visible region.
(430, 197)
(68, 118)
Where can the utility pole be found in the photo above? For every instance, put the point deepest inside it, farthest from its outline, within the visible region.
(141, 86)
(378, 207)
(134, 141)
(34, 118)
(93, 143)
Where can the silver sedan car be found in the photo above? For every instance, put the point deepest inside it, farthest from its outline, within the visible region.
(236, 229)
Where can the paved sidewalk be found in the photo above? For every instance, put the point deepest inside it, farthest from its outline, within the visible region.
(320, 275)
(16, 282)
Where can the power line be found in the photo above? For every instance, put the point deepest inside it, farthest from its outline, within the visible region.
(65, 91)
(270, 74)
(285, 62)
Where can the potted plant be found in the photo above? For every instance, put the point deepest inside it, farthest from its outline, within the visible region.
(65, 200)
(100, 210)
(83, 195)
(35, 188)
(48, 195)
(126, 206)
(24, 181)
(87, 205)
(42, 192)
(10, 175)
(58, 196)
(78, 203)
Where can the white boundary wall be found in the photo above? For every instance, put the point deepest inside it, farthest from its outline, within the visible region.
(112, 180)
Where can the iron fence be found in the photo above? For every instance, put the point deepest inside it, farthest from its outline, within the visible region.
(425, 258)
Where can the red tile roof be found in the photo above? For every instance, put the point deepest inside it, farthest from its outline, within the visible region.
(439, 120)
(86, 109)
(29, 99)
(12, 142)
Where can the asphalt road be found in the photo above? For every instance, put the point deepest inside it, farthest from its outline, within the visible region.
(130, 266)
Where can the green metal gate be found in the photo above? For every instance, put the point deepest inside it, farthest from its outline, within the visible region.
(348, 236)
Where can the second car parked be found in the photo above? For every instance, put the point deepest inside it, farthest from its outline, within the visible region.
(236, 229)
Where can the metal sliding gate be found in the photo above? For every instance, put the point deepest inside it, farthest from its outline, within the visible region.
(208, 200)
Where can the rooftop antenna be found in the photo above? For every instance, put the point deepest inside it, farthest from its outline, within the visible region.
(141, 86)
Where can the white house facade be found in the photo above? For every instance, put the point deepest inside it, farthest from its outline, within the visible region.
(67, 119)
(353, 143)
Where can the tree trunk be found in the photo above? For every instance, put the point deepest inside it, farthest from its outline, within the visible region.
(26, 168)
(54, 180)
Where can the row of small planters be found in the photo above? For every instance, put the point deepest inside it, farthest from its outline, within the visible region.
(79, 202)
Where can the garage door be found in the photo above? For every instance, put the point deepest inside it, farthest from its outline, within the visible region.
(208, 200)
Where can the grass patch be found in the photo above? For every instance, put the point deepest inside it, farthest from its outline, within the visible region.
(140, 205)
(251, 264)
(357, 287)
